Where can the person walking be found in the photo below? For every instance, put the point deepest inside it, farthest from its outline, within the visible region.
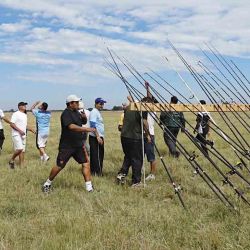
(71, 143)
(173, 121)
(19, 127)
(203, 129)
(2, 137)
(39, 110)
(96, 140)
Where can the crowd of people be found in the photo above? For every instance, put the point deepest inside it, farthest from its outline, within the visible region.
(83, 133)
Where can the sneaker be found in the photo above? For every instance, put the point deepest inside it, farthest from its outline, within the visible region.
(150, 177)
(46, 188)
(121, 179)
(137, 185)
(12, 164)
(45, 158)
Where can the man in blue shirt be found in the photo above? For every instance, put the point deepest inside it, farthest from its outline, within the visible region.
(39, 110)
(96, 139)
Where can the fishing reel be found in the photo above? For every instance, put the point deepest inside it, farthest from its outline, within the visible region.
(239, 165)
(193, 156)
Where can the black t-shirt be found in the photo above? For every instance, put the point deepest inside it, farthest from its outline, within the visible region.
(69, 138)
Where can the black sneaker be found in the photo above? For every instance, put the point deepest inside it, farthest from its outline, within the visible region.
(46, 188)
(11, 164)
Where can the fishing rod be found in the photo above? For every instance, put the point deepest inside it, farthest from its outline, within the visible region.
(200, 84)
(176, 188)
(239, 97)
(221, 59)
(196, 166)
(232, 168)
(240, 71)
(214, 77)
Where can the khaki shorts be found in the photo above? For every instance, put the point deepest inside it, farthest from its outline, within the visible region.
(19, 142)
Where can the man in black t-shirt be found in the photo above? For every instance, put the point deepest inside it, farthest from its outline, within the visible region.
(71, 143)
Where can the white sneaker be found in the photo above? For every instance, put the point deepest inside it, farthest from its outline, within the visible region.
(150, 177)
(45, 158)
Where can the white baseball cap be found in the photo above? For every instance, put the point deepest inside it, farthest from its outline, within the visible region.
(73, 98)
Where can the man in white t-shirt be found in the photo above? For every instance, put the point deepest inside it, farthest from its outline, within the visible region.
(19, 127)
(2, 137)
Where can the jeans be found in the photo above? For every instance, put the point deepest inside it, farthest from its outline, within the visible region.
(170, 140)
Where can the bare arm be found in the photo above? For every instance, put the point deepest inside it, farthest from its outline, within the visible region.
(148, 91)
(31, 129)
(77, 128)
(35, 105)
(6, 120)
(13, 125)
(146, 129)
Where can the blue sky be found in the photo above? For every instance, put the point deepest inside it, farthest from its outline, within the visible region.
(53, 48)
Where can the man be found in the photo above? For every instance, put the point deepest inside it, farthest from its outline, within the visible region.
(71, 143)
(86, 112)
(203, 129)
(19, 127)
(131, 139)
(96, 140)
(2, 137)
(173, 121)
(39, 110)
(149, 147)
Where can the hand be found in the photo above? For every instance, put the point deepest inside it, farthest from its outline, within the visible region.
(90, 130)
(149, 140)
(146, 84)
(21, 133)
(99, 139)
(33, 131)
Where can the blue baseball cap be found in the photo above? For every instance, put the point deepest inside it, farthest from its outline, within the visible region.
(99, 100)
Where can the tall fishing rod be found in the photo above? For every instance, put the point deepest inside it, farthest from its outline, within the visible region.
(197, 167)
(215, 80)
(220, 110)
(240, 97)
(232, 168)
(174, 185)
(200, 84)
(223, 100)
(240, 71)
(221, 59)
(222, 134)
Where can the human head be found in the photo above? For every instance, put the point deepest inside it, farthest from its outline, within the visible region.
(203, 102)
(174, 100)
(22, 106)
(44, 106)
(99, 103)
(72, 102)
(146, 99)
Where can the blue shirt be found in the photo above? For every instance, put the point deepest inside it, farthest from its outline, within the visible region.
(96, 121)
(42, 121)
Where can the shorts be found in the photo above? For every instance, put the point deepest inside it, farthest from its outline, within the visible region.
(64, 154)
(41, 140)
(150, 149)
(19, 142)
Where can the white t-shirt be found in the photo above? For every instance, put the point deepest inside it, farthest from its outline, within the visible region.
(1, 117)
(20, 120)
(87, 113)
(151, 122)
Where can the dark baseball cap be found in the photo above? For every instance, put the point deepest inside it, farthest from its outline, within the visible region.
(22, 104)
(99, 100)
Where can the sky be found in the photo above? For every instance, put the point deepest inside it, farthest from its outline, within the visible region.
(53, 48)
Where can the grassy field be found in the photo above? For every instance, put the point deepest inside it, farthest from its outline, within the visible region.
(116, 217)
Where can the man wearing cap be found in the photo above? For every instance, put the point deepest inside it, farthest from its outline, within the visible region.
(71, 143)
(19, 127)
(39, 110)
(96, 140)
(2, 138)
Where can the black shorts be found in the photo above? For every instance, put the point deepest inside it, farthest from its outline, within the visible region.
(79, 155)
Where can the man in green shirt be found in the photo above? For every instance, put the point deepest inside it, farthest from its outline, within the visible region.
(173, 121)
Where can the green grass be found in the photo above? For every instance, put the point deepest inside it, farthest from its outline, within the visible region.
(116, 217)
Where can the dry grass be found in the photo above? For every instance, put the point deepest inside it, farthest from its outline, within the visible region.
(115, 217)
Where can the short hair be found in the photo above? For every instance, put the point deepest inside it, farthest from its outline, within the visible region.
(174, 99)
(44, 106)
(202, 102)
(146, 99)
